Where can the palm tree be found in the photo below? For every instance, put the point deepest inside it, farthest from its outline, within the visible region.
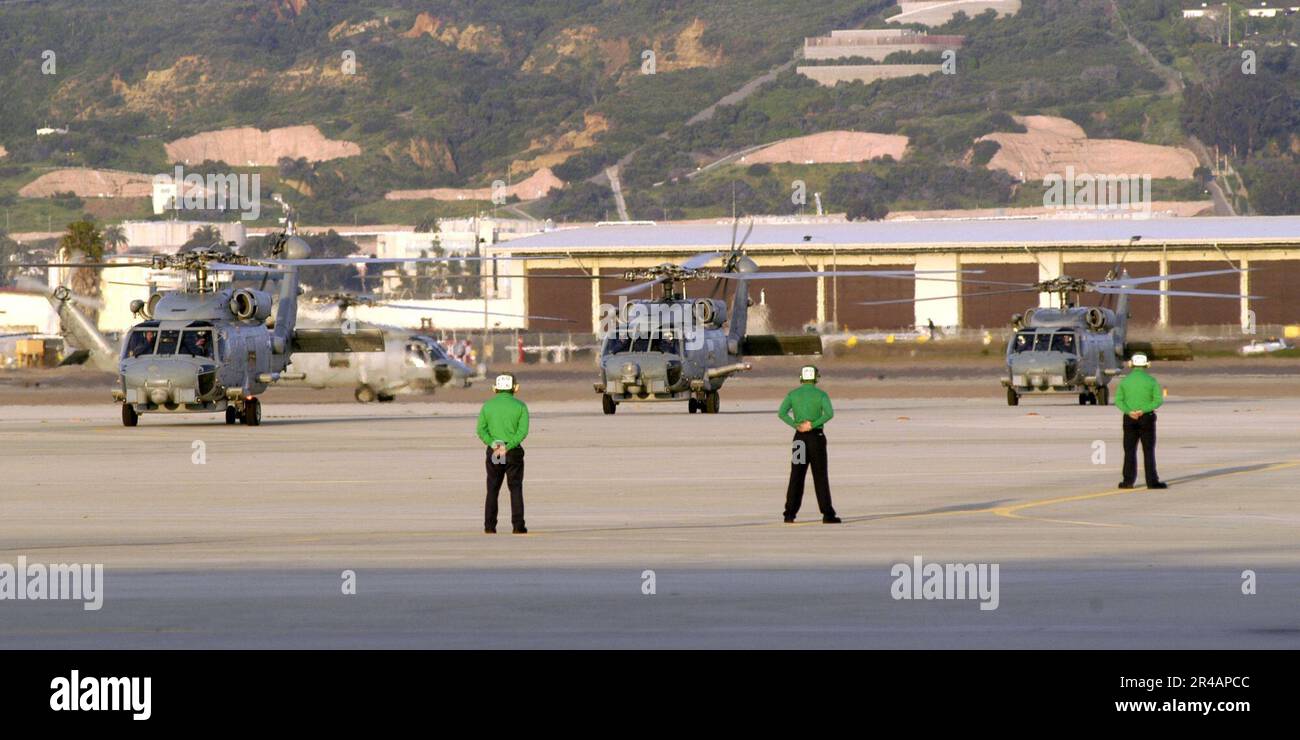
(83, 242)
(203, 237)
(115, 237)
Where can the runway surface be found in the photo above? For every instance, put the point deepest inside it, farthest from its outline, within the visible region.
(248, 548)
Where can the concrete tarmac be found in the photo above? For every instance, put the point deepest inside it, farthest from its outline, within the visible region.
(216, 536)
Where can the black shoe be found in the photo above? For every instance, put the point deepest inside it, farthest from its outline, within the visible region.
(1126, 486)
(489, 530)
(789, 520)
(521, 530)
(832, 520)
(1158, 485)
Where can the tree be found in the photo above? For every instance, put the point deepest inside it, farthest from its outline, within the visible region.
(202, 238)
(8, 251)
(115, 237)
(83, 242)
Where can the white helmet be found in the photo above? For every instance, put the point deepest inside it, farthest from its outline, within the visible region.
(505, 382)
(1140, 360)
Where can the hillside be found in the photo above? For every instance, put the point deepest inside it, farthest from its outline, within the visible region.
(338, 104)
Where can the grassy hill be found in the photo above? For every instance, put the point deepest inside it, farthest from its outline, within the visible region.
(462, 92)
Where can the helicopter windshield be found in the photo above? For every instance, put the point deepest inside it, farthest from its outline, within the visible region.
(1024, 342)
(617, 344)
(1063, 342)
(667, 345)
(141, 343)
(196, 343)
(167, 342)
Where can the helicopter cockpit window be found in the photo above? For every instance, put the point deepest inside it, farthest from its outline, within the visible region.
(167, 342)
(617, 344)
(666, 344)
(1024, 342)
(1043, 342)
(417, 355)
(196, 343)
(1064, 342)
(140, 343)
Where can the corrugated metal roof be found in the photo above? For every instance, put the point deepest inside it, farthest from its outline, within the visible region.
(952, 233)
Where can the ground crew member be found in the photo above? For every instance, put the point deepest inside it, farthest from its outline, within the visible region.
(806, 409)
(1138, 397)
(502, 425)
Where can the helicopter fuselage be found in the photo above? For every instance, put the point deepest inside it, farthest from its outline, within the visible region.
(1072, 350)
(201, 352)
(410, 363)
(667, 350)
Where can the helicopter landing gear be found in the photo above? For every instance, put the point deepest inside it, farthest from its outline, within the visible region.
(385, 398)
(1086, 398)
(364, 394)
(607, 404)
(1013, 398)
(129, 417)
(692, 405)
(712, 402)
(232, 415)
(1102, 396)
(252, 412)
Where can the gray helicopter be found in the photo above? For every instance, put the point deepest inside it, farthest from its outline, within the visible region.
(411, 362)
(1079, 349)
(673, 348)
(209, 348)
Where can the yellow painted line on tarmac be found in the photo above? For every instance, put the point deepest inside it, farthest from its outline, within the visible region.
(1013, 511)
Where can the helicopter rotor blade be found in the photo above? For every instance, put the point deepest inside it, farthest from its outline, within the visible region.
(94, 265)
(639, 287)
(1126, 282)
(700, 260)
(326, 261)
(1182, 293)
(895, 274)
(226, 267)
(476, 313)
(944, 297)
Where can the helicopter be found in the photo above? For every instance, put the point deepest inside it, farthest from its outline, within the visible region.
(673, 348)
(213, 349)
(1079, 349)
(410, 361)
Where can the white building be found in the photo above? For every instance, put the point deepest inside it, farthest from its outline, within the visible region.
(168, 236)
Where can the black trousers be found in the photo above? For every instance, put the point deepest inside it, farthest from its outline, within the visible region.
(1141, 430)
(510, 469)
(808, 449)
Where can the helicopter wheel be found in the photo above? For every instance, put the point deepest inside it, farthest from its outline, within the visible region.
(129, 417)
(364, 394)
(1013, 398)
(385, 398)
(1085, 398)
(692, 405)
(232, 415)
(252, 412)
(712, 403)
(607, 405)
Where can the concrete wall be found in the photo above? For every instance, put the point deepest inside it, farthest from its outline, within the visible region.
(830, 75)
(874, 52)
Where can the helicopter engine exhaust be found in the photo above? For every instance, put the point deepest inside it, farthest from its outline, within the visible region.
(1098, 319)
(250, 305)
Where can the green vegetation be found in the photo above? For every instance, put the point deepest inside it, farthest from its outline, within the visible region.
(489, 85)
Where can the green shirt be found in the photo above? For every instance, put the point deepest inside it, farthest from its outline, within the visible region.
(1138, 392)
(504, 418)
(808, 403)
